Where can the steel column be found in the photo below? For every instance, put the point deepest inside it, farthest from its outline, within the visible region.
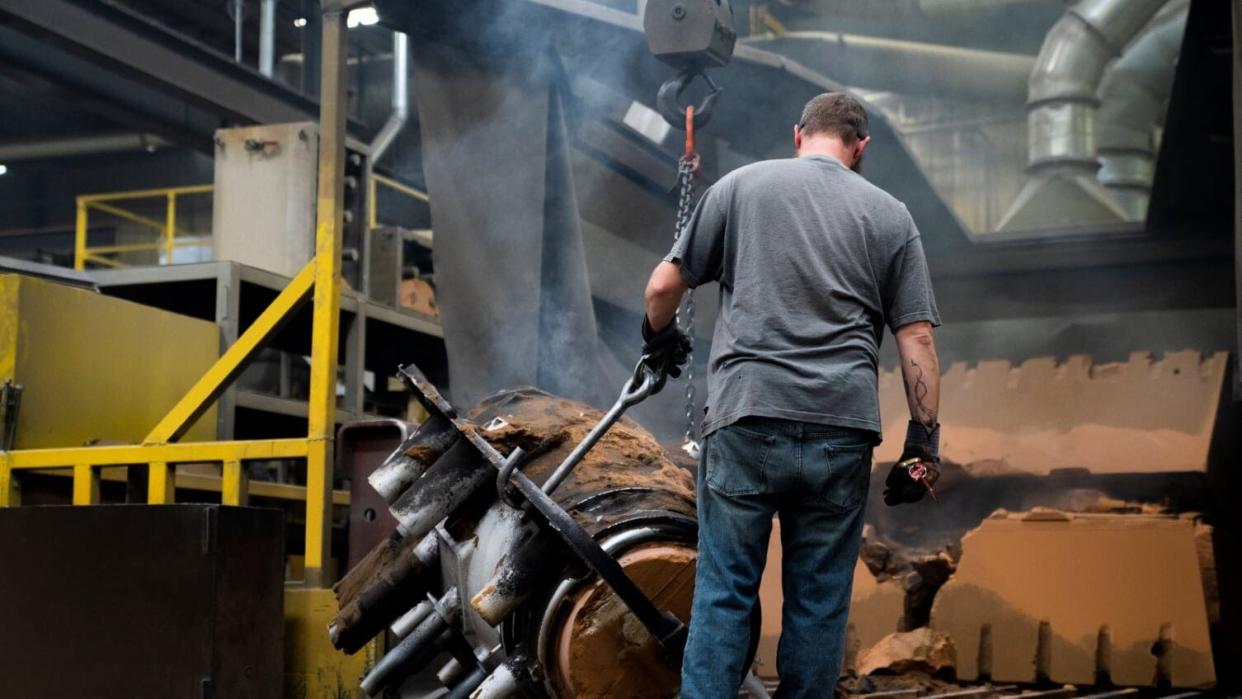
(322, 403)
(1237, 190)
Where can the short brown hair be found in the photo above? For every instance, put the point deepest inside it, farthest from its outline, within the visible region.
(837, 113)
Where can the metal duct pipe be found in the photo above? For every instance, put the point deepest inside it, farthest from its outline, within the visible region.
(267, 37)
(1133, 95)
(1061, 110)
(905, 66)
(1062, 102)
(400, 97)
(86, 145)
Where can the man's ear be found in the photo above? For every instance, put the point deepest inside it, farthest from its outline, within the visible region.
(797, 138)
(860, 147)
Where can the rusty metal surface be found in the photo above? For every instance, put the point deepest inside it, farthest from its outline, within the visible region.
(626, 478)
(138, 601)
(360, 449)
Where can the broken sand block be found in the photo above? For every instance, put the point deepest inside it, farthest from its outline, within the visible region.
(1139, 416)
(1079, 598)
(921, 650)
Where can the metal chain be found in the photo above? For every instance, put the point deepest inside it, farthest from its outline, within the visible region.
(687, 166)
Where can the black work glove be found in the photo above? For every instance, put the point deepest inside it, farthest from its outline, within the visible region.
(916, 472)
(665, 352)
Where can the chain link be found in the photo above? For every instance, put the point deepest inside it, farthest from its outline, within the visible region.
(686, 168)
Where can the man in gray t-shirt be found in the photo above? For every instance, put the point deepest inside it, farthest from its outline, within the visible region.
(813, 262)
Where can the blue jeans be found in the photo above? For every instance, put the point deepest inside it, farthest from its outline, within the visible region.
(815, 478)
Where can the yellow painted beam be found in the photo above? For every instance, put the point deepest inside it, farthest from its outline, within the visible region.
(372, 205)
(321, 413)
(233, 488)
(79, 237)
(85, 485)
(104, 261)
(127, 247)
(145, 193)
(170, 227)
(127, 215)
(161, 483)
(226, 368)
(154, 453)
(403, 188)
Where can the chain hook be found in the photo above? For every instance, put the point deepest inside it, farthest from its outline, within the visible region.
(670, 92)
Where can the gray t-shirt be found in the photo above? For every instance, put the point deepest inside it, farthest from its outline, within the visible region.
(813, 261)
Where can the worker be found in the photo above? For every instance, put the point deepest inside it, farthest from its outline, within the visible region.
(812, 262)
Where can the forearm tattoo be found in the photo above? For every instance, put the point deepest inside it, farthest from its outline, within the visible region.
(922, 413)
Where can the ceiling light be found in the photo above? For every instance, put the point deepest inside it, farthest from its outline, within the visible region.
(3, 168)
(362, 17)
(299, 22)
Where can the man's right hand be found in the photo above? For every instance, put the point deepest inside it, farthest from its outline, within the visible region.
(665, 350)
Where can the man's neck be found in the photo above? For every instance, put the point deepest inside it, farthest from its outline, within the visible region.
(830, 147)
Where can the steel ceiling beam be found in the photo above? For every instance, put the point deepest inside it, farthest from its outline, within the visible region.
(122, 42)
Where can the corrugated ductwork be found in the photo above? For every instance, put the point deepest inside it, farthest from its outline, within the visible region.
(1061, 115)
(905, 66)
(1133, 95)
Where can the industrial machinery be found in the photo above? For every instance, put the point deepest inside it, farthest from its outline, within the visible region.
(580, 587)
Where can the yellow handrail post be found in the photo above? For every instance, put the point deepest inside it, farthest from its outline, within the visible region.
(170, 227)
(233, 486)
(8, 486)
(79, 236)
(85, 485)
(372, 205)
(161, 483)
(321, 406)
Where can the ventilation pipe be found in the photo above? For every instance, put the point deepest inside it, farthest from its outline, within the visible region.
(904, 66)
(400, 97)
(1133, 95)
(79, 146)
(1062, 191)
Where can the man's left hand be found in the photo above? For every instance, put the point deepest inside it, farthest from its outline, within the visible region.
(916, 472)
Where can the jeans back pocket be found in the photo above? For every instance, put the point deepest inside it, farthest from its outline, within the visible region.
(734, 460)
(840, 475)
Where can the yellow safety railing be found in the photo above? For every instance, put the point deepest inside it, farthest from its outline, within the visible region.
(105, 203)
(85, 253)
(373, 185)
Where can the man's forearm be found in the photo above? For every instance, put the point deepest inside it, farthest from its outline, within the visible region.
(920, 369)
(664, 292)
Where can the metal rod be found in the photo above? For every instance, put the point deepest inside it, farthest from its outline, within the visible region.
(634, 391)
(267, 37)
(415, 647)
(239, 7)
(411, 619)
